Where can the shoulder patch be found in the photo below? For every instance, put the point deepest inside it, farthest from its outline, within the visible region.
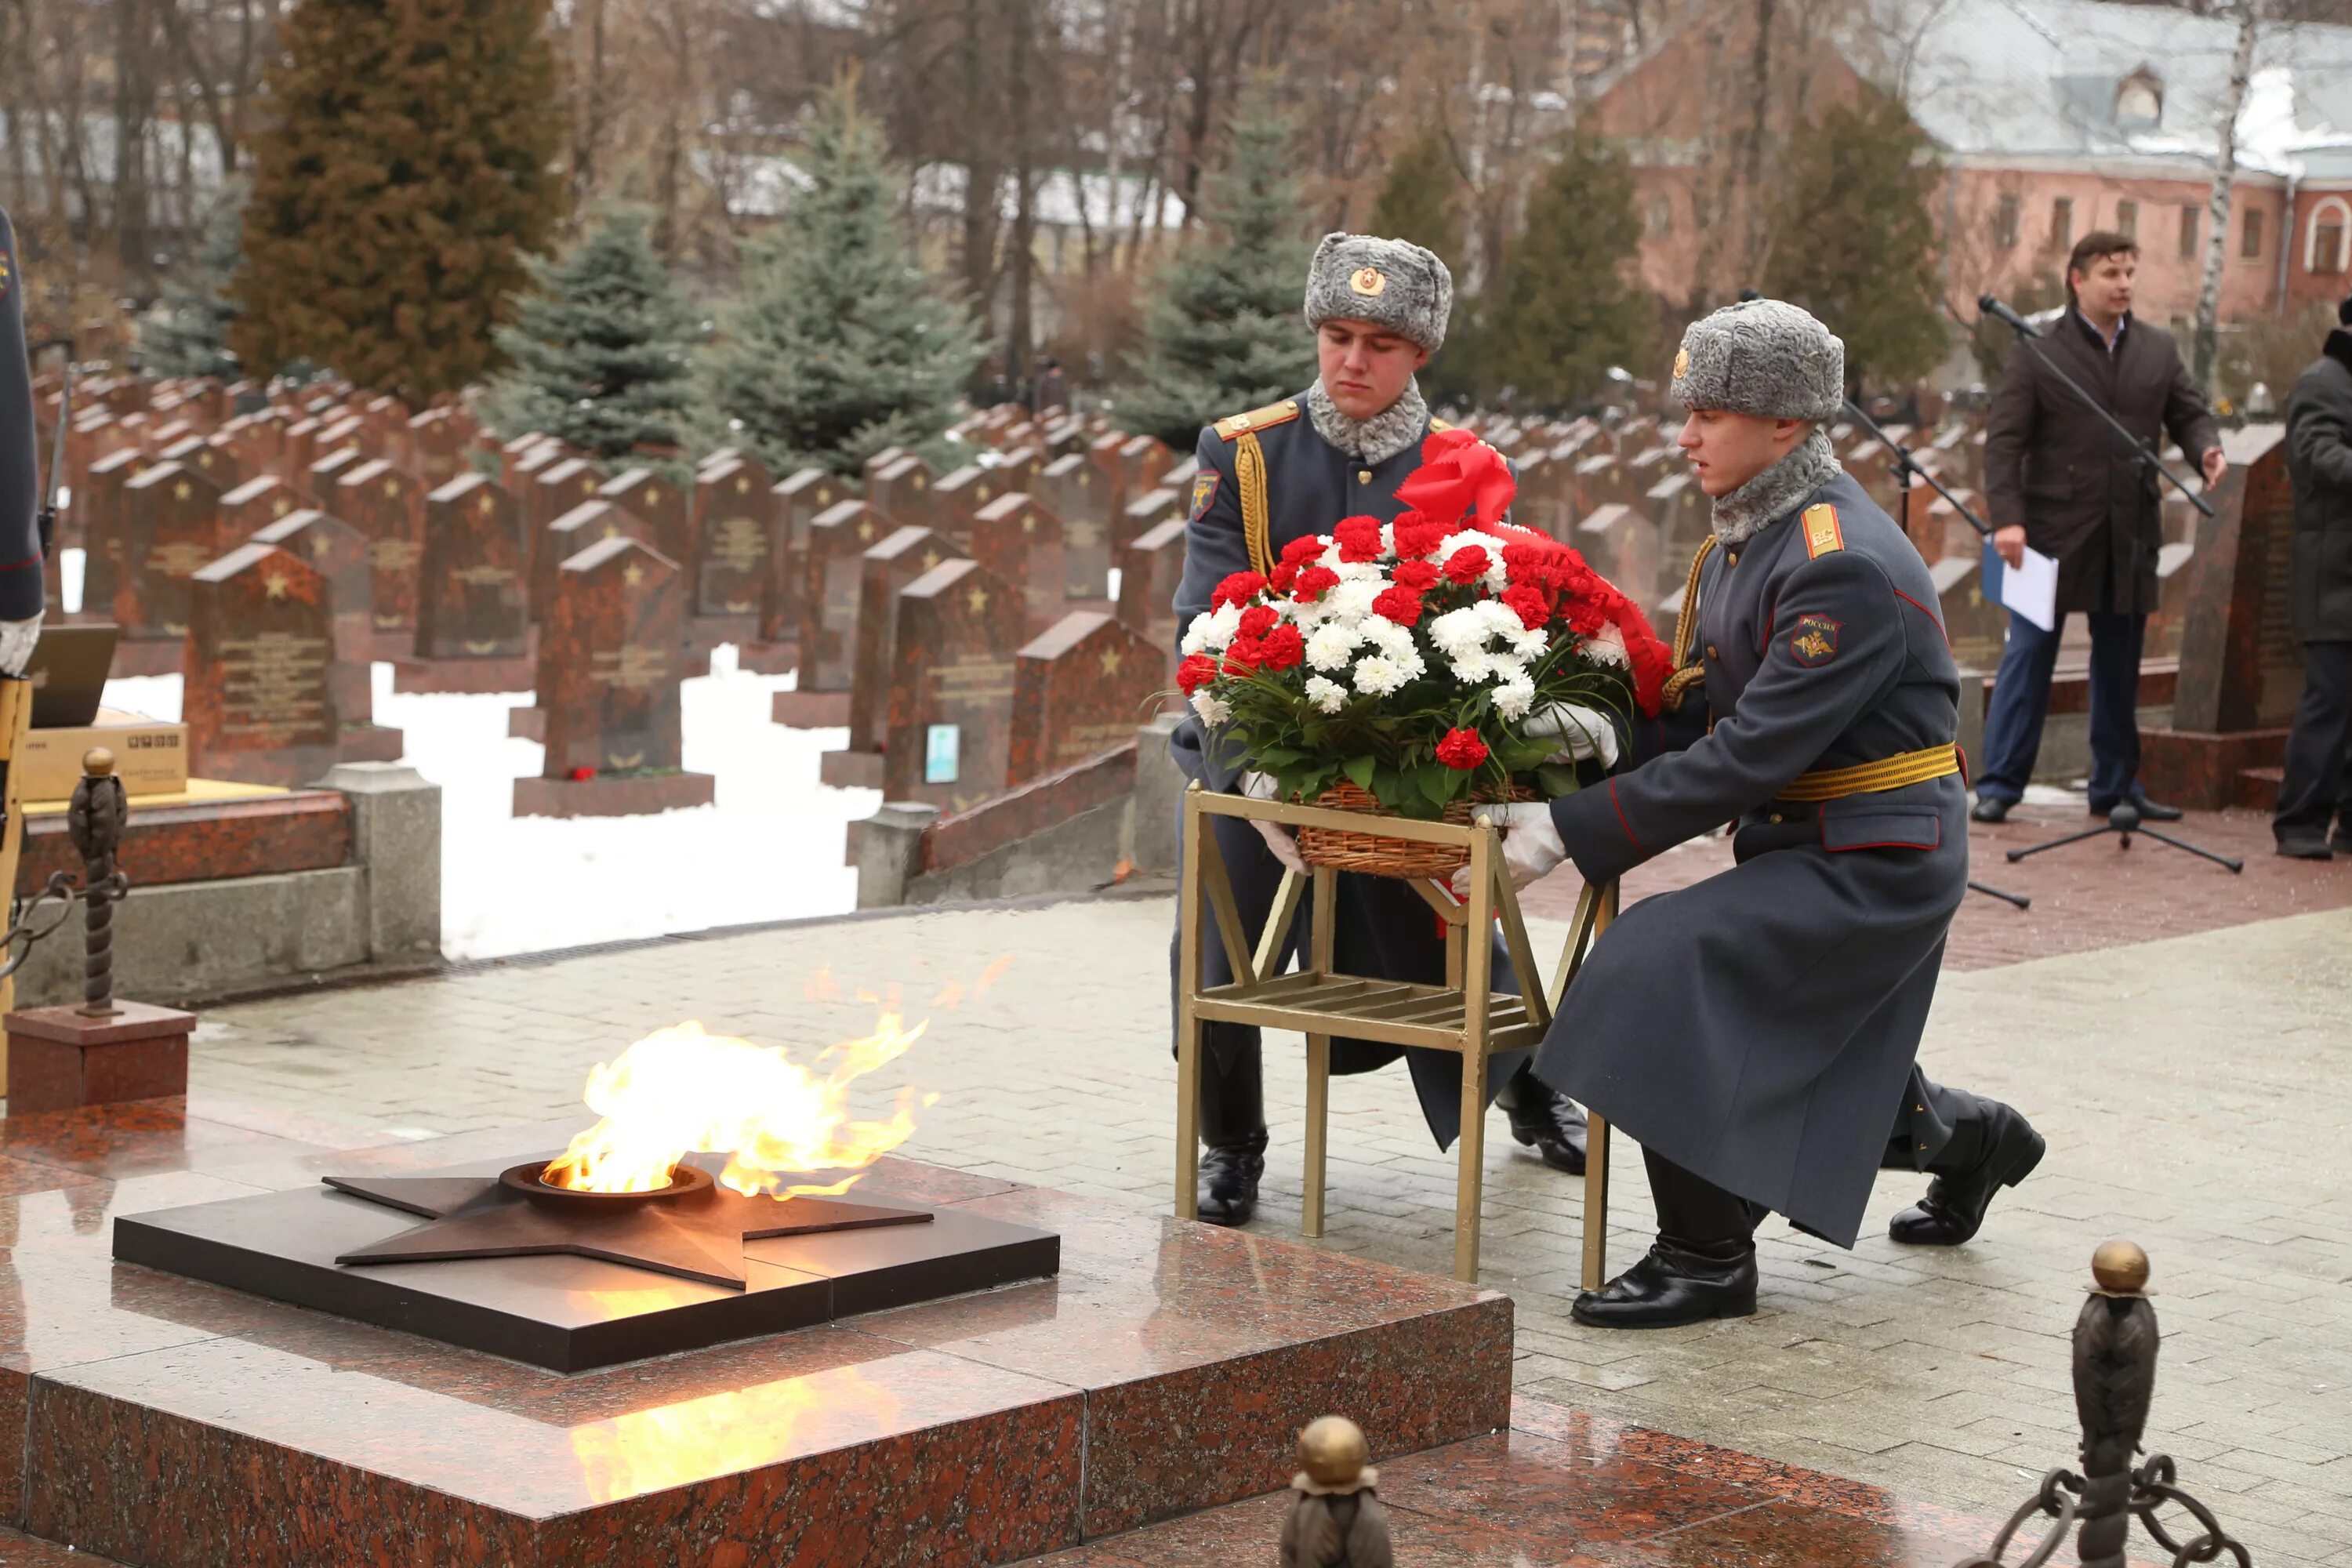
(1436, 424)
(1815, 640)
(1204, 490)
(1822, 534)
(1235, 427)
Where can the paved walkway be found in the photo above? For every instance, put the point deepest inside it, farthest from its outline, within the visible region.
(2190, 1089)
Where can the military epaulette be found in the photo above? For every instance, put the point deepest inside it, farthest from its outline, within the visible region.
(1235, 427)
(1435, 424)
(1822, 534)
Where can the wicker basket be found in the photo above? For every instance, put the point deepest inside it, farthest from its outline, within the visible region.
(1370, 854)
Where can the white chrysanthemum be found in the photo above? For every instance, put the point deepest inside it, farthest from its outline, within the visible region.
(1363, 572)
(1514, 697)
(1376, 676)
(1352, 601)
(1393, 640)
(1529, 642)
(1196, 635)
(1472, 666)
(1328, 696)
(1499, 619)
(1211, 709)
(1333, 645)
(1469, 538)
(1608, 646)
(1502, 667)
(1457, 632)
(1221, 623)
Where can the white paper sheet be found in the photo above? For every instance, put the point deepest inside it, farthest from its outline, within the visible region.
(2030, 588)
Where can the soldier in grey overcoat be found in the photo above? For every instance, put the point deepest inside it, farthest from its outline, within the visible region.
(1294, 469)
(1758, 1031)
(21, 590)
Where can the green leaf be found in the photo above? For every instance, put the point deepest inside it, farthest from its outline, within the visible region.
(1276, 757)
(1556, 779)
(1361, 770)
(1434, 782)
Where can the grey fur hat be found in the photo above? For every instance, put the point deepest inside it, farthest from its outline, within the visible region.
(1391, 283)
(1765, 357)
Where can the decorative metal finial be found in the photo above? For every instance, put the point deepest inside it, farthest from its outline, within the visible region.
(94, 823)
(1335, 1520)
(2115, 1344)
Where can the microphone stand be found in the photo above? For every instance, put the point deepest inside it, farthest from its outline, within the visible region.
(1907, 470)
(2125, 819)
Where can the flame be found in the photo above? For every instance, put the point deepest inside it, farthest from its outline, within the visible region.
(681, 1091)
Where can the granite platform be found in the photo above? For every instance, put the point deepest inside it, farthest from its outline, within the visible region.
(164, 1423)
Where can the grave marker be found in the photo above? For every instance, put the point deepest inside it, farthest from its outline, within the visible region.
(386, 504)
(952, 686)
(339, 553)
(901, 490)
(1080, 494)
(1149, 569)
(171, 518)
(908, 553)
(473, 611)
(836, 540)
(1019, 539)
(258, 698)
(590, 522)
(736, 506)
(662, 505)
(1080, 689)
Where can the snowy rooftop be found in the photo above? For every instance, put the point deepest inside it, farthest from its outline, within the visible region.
(2075, 79)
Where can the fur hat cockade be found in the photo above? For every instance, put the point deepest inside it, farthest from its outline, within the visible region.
(1392, 283)
(1765, 357)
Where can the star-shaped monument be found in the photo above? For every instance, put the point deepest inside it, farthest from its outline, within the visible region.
(694, 1229)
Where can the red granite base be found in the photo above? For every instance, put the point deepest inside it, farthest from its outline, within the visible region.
(370, 743)
(849, 770)
(527, 723)
(464, 675)
(767, 657)
(394, 643)
(61, 1059)
(199, 841)
(602, 797)
(146, 656)
(811, 710)
(171, 1424)
(2205, 772)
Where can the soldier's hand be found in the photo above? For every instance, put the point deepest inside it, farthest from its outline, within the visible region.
(2215, 466)
(2010, 543)
(17, 640)
(1532, 849)
(1581, 732)
(1278, 838)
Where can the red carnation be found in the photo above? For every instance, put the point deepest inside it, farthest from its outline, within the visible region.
(1420, 576)
(1466, 565)
(1237, 588)
(1283, 578)
(581, 775)
(1302, 551)
(1462, 750)
(1243, 655)
(1256, 621)
(1402, 606)
(1528, 603)
(1196, 672)
(1358, 539)
(1417, 534)
(1284, 648)
(1314, 582)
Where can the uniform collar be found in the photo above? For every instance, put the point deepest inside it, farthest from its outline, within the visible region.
(1393, 429)
(1775, 492)
(2339, 347)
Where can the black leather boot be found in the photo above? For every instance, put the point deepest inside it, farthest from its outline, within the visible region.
(1233, 1129)
(1677, 1283)
(1229, 1178)
(1546, 1121)
(1956, 1202)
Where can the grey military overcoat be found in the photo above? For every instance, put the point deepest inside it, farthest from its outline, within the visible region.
(1761, 1028)
(1384, 929)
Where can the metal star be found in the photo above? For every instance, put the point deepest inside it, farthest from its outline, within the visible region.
(633, 575)
(977, 599)
(486, 505)
(183, 490)
(1110, 660)
(275, 585)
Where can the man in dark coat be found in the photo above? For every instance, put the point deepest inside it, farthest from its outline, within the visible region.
(2057, 477)
(2318, 783)
(21, 592)
(1294, 469)
(1759, 1031)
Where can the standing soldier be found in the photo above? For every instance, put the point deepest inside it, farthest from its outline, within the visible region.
(1286, 471)
(1758, 1030)
(21, 590)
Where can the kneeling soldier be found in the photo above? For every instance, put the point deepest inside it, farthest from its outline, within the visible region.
(1759, 1030)
(1377, 309)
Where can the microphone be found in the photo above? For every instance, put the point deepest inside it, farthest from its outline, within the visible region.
(2002, 313)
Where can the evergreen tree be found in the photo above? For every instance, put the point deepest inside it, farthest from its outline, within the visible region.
(1224, 332)
(1854, 237)
(839, 346)
(408, 173)
(602, 350)
(1562, 311)
(1420, 197)
(191, 336)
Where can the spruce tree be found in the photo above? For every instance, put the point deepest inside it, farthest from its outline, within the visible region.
(1563, 310)
(409, 171)
(602, 350)
(1854, 237)
(190, 337)
(838, 345)
(1223, 333)
(1420, 197)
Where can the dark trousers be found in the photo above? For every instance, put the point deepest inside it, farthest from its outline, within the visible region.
(2020, 701)
(2318, 780)
(1693, 1209)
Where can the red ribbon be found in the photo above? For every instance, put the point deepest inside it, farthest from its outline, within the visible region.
(1459, 473)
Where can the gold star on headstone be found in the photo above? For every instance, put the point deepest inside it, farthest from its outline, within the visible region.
(183, 490)
(865, 531)
(1028, 522)
(930, 559)
(280, 507)
(391, 490)
(977, 599)
(824, 495)
(275, 585)
(633, 575)
(612, 530)
(321, 544)
(742, 485)
(486, 505)
(652, 496)
(1110, 658)
(980, 492)
(919, 481)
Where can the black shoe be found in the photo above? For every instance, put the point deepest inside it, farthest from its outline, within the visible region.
(1676, 1283)
(2307, 847)
(2341, 840)
(1955, 1206)
(2149, 810)
(1990, 808)
(1229, 1177)
(1547, 1121)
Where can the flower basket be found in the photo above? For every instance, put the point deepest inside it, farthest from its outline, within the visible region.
(1370, 854)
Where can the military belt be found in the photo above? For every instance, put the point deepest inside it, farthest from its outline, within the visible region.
(1870, 778)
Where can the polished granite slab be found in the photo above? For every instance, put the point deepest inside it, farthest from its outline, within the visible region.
(167, 1423)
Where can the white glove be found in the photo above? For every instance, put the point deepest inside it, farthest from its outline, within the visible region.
(1532, 849)
(1581, 732)
(17, 640)
(1278, 838)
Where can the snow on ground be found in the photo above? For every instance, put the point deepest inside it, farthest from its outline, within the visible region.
(769, 848)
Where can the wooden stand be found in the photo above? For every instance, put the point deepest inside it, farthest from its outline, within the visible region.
(1463, 1014)
(16, 722)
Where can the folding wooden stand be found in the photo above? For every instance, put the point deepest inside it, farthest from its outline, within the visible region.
(1463, 1014)
(16, 719)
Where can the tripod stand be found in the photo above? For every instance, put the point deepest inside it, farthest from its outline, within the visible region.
(1905, 470)
(2125, 819)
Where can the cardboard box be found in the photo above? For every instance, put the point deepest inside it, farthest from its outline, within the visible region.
(150, 757)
